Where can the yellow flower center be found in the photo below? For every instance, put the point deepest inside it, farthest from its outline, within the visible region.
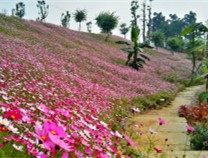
(53, 132)
(41, 145)
(43, 138)
(12, 116)
(119, 153)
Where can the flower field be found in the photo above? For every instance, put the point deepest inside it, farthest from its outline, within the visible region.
(58, 89)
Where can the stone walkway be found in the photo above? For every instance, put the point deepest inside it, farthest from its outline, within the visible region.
(172, 136)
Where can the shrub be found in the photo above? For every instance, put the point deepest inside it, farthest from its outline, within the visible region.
(194, 114)
(199, 137)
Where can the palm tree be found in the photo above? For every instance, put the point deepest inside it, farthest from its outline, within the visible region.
(80, 16)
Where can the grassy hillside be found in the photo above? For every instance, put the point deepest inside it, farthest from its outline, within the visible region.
(64, 91)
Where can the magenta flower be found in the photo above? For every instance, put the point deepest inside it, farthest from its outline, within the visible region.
(43, 136)
(189, 128)
(43, 156)
(56, 140)
(65, 155)
(161, 122)
(130, 141)
(53, 129)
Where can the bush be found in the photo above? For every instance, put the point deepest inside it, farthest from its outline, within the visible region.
(175, 43)
(194, 114)
(199, 138)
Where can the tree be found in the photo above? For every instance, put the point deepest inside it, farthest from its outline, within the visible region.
(65, 19)
(206, 39)
(190, 18)
(144, 6)
(107, 21)
(137, 62)
(149, 23)
(124, 29)
(89, 26)
(175, 43)
(20, 9)
(135, 16)
(43, 10)
(192, 32)
(80, 16)
(175, 26)
(158, 21)
(158, 38)
(4, 11)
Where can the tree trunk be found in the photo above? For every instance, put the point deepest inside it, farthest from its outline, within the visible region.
(134, 64)
(79, 26)
(193, 62)
(107, 37)
(193, 54)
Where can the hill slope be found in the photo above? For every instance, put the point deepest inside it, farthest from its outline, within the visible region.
(63, 82)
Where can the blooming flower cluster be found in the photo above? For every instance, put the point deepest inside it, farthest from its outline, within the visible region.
(56, 88)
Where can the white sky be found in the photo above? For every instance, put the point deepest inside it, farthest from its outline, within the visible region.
(94, 7)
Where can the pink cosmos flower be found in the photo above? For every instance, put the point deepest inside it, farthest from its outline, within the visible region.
(43, 156)
(130, 141)
(53, 129)
(2, 145)
(65, 155)
(43, 136)
(14, 114)
(88, 151)
(56, 140)
(161, 122)
(190, 128)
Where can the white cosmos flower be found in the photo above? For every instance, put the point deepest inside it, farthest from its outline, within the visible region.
(152, 131)
(13, 129)
(20, 148)
(4, 122)
(118, 134)
(3, 109)
(104, 124)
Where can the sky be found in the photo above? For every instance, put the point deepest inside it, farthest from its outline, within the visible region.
(94, 7)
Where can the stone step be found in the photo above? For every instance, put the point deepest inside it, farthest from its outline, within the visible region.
(189, 154)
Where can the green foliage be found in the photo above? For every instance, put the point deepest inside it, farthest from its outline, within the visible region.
(191, 30)
(138, 59)
(175, 43)
(8, 151)
(135, 153)
(158, 38)
(134, 34)
(152, 101)
(199, 137)
(20, 9)
(107, 21)
(203, 97)
(135, 16)
(124, 29)
(89, 26)
(80, 16)
(158, 21)
(43, 10)
(65, 19)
